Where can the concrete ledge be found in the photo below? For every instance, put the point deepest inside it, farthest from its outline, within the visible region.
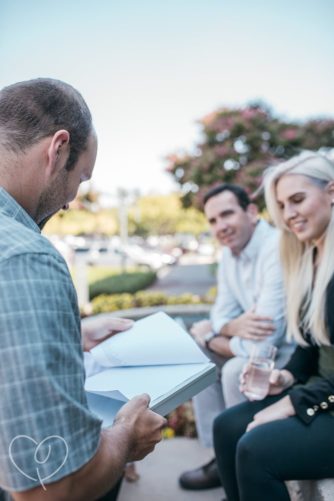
(159, 473)
(311, 490)
(189, 312)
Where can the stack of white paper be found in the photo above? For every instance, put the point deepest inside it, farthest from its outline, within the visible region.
(156, 356)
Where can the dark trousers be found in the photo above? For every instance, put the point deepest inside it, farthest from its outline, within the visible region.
(254, 465)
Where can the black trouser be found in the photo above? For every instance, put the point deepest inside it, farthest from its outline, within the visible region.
(254, 465)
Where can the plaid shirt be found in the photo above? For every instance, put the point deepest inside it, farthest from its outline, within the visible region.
(42, 394)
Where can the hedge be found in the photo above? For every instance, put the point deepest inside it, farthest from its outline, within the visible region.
(122, 283)
(106, 303)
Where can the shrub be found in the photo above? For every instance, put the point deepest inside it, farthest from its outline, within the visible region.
(185, 298)
(150, 298)
(181, 421)
(210, 296)
(122, 283)
(105, 303)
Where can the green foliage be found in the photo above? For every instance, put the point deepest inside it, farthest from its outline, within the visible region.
(149, 215)
(210, 296)
(122, 283)
(185, 298)
(83, 222)
(149, 298)
(96, 273)
(107, 303)
(236, 146)
(162, 215)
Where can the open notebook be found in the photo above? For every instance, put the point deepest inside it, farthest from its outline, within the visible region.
(156, 356)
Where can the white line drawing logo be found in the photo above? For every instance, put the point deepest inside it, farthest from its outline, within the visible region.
(39, 461)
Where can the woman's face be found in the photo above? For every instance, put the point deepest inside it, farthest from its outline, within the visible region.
(306, 207)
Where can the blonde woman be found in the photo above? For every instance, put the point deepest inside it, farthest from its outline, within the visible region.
(290, 434)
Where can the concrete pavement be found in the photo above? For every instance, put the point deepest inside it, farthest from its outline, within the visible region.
(185, 277)
(160, 470)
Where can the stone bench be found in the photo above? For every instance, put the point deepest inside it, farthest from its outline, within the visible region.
(311, 490)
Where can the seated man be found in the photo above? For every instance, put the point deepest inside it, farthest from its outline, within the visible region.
(249, 310)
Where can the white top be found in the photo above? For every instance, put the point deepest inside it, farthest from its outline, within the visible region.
(252, 278)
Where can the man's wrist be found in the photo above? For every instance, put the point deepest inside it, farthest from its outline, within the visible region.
(208, 338)
(226, 329)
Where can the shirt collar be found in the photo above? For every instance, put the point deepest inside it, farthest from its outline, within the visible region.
(10, 208)
(252, 248)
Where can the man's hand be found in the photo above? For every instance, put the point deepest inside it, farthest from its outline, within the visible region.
(135, 432)
(144, 426)
(279, 410)
(199, 330)
(249, 325)
(95, 330)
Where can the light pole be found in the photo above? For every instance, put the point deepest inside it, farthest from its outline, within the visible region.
(123, 224)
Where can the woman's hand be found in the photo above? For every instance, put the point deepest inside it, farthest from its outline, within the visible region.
(279, 410)
(95, 330)
(279, 380)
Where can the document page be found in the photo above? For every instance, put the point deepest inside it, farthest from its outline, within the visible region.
(131, 381)
(156, 356)
(154, 340)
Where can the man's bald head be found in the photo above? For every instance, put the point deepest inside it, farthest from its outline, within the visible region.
(35, 109)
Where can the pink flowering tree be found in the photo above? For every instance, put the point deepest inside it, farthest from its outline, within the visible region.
(237, 144)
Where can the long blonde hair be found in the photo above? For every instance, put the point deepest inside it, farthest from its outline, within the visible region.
(306, 295)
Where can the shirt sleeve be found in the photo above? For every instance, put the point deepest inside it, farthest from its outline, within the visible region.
(270, 299)
(47, 430)
(226, 305)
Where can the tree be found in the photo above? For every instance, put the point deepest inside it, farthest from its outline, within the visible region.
(236, 146)
(162, 215)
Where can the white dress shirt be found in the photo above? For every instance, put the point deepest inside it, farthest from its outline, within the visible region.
(253, 278)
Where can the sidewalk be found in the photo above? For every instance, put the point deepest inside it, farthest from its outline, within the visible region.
(183, 278)
(160, 470)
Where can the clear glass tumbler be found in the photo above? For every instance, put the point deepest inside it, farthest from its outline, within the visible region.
(259, 367)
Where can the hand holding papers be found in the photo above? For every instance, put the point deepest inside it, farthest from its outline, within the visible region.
(155, 356)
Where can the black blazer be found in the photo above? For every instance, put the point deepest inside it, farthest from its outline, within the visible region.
(315, 397)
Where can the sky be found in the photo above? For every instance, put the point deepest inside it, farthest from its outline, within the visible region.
(149, 70)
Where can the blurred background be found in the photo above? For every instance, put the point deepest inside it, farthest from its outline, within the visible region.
(184, 94)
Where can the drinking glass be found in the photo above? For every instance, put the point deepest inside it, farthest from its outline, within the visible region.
(259, 367)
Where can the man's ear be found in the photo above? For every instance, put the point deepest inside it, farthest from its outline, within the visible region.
(330, 190)
(58, 152)
(253, 212)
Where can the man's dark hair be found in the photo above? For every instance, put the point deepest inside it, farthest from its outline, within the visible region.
(240, 194)
(35, 109)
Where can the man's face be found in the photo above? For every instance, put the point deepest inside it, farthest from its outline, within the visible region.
(65, 186)
(230, 224)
